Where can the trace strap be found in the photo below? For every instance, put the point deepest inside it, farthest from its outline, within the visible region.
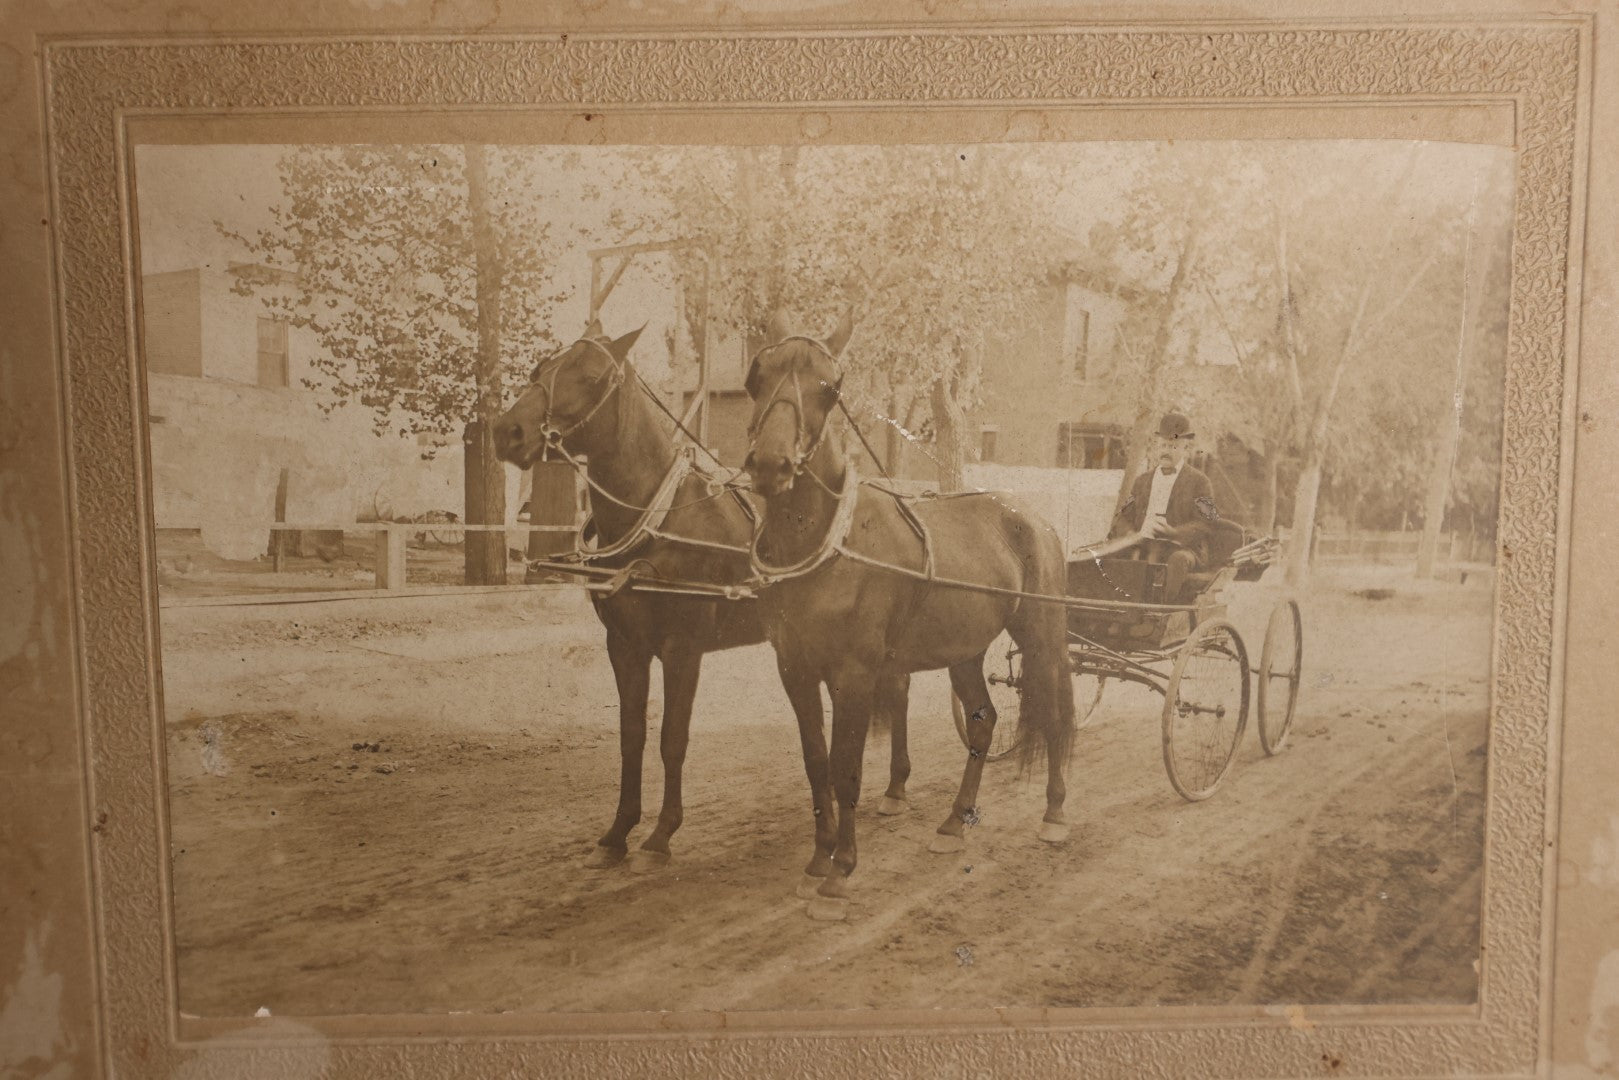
(830, 547)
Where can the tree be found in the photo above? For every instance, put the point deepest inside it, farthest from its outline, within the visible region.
(426, 276)
(1461, 415)
(1168, 234)
(1309, 324)
(1321, 342)
(936, 247)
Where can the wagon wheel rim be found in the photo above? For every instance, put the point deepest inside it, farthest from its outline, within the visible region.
(1004, 670)
(1205, 709)
(1281, 667)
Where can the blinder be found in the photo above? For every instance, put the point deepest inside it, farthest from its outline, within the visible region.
(801, 452)
(614, 378)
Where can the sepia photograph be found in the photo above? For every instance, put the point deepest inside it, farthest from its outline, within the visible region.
(673, 577)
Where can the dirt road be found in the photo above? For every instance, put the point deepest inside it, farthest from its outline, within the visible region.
(384, 805)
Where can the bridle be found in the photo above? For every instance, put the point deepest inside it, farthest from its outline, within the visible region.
(802, 453)
(553, 435)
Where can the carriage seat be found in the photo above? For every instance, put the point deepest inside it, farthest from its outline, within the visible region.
(1227, 537)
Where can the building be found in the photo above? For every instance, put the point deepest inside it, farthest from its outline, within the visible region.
(1051, 396)
(230, 412)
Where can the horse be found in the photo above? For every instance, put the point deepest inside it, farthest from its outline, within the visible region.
(862, 584)
(581, 402)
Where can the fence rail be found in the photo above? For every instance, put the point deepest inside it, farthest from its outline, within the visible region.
(1394, 547)
(392, 537)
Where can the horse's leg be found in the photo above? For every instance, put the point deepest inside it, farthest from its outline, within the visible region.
(967, 680)
(632, 670)
(893, 700)
(804, 694)
(852, 693)
(682, 663)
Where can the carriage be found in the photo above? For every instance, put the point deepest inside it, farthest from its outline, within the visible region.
(1122, 628)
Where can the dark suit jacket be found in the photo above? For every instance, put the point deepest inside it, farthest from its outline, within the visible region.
(1190, 513)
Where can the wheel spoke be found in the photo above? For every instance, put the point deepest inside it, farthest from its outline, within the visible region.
(1205, 709)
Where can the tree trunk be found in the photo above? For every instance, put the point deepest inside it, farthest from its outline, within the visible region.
(1433, 510)
(1301, 539)
(1449, 435)
(948, 421)
(1142, 427)
(1265, 516)
(485, 551)
(893, 441)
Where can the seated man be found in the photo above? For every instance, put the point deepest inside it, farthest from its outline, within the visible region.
(1173, 501)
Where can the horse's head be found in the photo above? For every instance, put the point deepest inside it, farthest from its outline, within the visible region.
(794, 383)
(565, 392)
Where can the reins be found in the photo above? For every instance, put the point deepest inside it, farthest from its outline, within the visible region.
(649, 523)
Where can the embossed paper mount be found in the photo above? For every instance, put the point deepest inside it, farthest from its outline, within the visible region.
(92, 88)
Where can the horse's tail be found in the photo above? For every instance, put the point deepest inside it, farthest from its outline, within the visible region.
(1046, 723)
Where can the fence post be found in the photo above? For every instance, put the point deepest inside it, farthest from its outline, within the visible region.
(552, 500)
(278, 537)
(390, 557)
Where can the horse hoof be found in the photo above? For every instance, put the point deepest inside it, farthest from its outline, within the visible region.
(809, 887)
(604, 858)
(646, 861)
(888, 806)
(1053, 832)
(828, 909)
(946, 844)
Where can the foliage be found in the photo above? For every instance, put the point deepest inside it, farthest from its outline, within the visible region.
(1320, 320)
(381, 259)
(935, 247)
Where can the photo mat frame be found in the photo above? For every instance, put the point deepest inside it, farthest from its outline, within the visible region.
(100, 92)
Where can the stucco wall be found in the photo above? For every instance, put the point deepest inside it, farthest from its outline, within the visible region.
(1030, 384)
(220, 441)
(1077, 502)
(171, 308)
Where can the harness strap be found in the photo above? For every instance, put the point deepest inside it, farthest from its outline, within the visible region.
(830, 547)
(647, 524)
(907, 615)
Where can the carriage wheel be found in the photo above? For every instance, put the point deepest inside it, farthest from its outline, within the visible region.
(1003, 671)
(1281, 663)
(1205, 709)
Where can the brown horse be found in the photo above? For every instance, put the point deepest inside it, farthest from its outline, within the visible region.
(586, 401)
(854, 595)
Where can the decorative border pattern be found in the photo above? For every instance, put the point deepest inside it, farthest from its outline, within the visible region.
(89, 84)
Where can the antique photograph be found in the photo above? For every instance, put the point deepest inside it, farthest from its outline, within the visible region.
(675, 577)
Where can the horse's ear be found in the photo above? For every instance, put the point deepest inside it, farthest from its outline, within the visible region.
(777, 329)
(840, 334)
(620, 347)
(594, 330)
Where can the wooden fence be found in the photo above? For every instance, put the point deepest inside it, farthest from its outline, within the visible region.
(393, 537)
(1399, 547)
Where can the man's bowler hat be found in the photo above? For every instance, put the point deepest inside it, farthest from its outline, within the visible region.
(1174, 425)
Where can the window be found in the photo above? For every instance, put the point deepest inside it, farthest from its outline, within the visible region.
(273, 352)
(1089, 446)
(986, 442)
